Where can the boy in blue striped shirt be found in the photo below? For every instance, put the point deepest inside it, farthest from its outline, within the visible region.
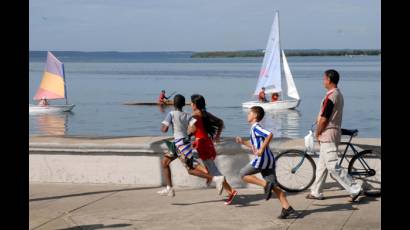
(264, 162)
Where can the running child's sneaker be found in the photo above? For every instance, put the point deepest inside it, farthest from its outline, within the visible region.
(268, 190)
(230, 198)
(167, 192)
(208, 182)
(286, 212)
(219, 180)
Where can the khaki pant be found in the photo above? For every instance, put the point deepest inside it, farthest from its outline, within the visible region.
(328, 162)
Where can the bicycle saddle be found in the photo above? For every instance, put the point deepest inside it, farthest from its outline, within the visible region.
(349, 132)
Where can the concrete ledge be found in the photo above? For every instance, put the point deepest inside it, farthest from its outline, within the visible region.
(155, 145)
(136, 160)
(93, 144)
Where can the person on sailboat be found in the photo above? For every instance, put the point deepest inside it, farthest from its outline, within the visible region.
(262, 95)
(162, 98)
(275, 97)
(43, 102)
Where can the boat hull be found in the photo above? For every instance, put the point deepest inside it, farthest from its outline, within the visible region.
(277, 105)
(50, 108)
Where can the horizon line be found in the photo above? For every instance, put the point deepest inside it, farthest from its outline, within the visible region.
(113, 51)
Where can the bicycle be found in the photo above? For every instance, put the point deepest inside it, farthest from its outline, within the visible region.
(295, 169)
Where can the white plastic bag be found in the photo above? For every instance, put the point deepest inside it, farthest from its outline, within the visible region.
(309, 141)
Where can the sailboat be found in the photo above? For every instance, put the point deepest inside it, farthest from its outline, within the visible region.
(270, 75)
(52, 87)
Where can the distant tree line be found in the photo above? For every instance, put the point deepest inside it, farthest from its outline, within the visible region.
(260, 53)
(254, 53)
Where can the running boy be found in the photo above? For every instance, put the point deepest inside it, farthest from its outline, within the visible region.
(264, 161)
(180, 122)
(207, 128)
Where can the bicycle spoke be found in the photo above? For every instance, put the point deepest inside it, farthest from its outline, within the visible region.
(302, 167)
(363, 167)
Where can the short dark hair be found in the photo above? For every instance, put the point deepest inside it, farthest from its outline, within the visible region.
(179, 101)
(260, 113)
(333, 75)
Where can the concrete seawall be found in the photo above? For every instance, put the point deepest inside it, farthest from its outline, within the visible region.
(136, 160)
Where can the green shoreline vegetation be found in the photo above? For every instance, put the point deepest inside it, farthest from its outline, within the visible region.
(260, 53)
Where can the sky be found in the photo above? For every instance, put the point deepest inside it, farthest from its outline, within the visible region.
(201, 25)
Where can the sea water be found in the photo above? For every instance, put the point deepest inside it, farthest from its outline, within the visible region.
(99, 84)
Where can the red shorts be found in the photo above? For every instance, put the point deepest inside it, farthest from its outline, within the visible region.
(205, 148)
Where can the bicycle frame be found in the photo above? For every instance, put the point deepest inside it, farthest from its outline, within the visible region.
(358, 163)
(348, 144)
(294, 169)
(367, 170)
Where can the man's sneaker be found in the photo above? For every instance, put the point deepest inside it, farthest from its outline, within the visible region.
(219, 180)
(353, 197)
(230, 198)
(268, 190)
(356, 187)
(167, 192)
(286, 212)
(312, 197)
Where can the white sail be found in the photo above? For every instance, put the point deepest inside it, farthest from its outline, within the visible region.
(270, 73)
(291, 88)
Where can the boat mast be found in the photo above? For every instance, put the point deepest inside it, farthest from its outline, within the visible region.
(280, 57)
(65, 86)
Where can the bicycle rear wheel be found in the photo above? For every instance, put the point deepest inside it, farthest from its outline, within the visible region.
(347, 155)
(366, 166)
(295, 170)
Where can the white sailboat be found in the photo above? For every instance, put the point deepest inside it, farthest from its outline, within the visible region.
(52, 87)
(270, 75)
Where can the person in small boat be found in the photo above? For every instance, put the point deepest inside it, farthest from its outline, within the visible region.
(43, 102)
(262, 95)
(162, 98)
(275, 97)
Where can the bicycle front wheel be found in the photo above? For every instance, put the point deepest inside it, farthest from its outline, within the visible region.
(295, 170)
(366, 166)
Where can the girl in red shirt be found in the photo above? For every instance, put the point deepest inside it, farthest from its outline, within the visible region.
(206, 129)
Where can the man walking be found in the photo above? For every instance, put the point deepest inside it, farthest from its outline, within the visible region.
(328, 134)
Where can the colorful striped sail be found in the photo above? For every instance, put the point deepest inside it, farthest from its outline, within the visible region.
(52, 84)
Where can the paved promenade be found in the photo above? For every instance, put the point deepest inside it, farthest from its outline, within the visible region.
(85, 206)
